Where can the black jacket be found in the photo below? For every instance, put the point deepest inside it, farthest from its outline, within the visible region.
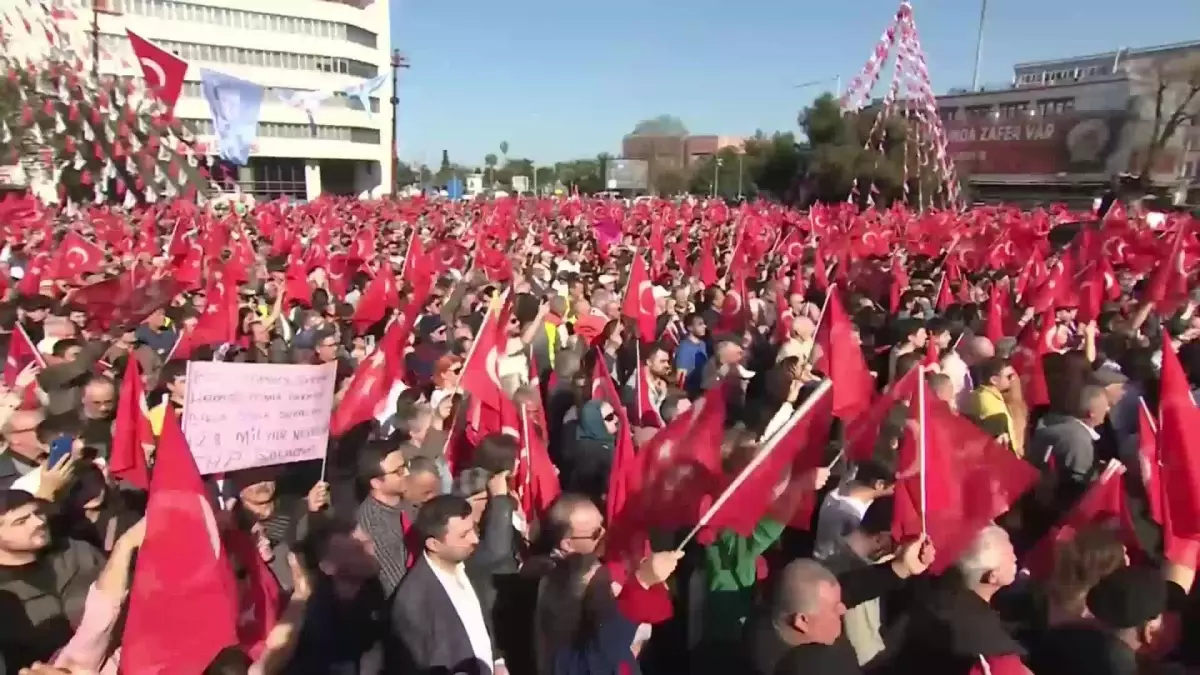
(948, 630)
(427, 637)
(494, 559)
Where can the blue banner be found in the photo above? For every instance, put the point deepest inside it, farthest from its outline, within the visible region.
(363, 90)
(235, 105)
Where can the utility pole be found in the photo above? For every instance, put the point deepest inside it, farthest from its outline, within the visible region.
(741, 163)
(398, 61)
(716, 177)
(979, 45)
(98, 7)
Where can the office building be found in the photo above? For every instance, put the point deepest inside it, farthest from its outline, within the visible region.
(1064, 127)
(285, 46)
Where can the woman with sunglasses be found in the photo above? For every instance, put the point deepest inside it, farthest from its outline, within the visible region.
(588, 461)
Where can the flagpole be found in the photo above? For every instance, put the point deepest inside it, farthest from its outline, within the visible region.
(470, 353)
(819, 393)
(824, 306)
(921, 445)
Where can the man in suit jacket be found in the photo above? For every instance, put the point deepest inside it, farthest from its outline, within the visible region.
(438, 623)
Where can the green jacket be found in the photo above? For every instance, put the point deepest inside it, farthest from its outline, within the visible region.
(731, 570)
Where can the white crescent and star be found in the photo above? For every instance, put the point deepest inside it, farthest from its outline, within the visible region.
(151, 66)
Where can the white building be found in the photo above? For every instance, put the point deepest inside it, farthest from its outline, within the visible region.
(298, 45)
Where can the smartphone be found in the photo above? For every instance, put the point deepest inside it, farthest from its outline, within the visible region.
(59, 448)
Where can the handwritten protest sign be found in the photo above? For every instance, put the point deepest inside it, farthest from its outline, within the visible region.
(244, 415)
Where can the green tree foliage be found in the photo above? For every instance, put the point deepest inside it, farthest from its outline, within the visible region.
(80, 134)
(838, 157)
(768, 166)
(663, 125)
(490, 160)
(405, 175)
(445, 171)
(504, 150)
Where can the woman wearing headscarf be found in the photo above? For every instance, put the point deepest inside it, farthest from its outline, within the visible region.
(587, 461)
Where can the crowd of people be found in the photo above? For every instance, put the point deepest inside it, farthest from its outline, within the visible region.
(588, 437)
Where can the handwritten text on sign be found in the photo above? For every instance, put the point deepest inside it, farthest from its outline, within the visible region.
(244, 415)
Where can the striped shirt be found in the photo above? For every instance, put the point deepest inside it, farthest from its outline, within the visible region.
(386, 525)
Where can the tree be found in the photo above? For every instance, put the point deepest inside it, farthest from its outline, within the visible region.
(1174, 87)
(489, 161)
(445, 171)
(670, 182)
(546, 178)
(93, 141)
(504, 150)
(426, 175)
(515, 167)
(404, 175)
(663, 125)
(838, 160)
(581, 174)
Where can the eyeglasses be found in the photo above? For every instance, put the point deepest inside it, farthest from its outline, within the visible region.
(594, 536)
(398, 471)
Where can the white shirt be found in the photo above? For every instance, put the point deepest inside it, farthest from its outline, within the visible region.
(839, 516)
(466, 605)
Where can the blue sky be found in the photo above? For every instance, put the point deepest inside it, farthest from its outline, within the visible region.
(560, 79)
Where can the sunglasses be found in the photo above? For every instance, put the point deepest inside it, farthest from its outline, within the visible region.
(456, 370)
(610, 417)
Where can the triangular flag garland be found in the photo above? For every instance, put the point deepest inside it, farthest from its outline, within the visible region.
(100, 138)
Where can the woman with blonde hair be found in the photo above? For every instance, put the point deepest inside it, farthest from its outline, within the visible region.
(1079, 564)
(1018, 411)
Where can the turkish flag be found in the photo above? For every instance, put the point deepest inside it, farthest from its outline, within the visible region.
(76, 256)
(21, 353)
(183, 598)
(164, 72)
(131, 431)
(639, 303)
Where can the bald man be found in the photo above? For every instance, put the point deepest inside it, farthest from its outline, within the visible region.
(957, 363)
(802, 629)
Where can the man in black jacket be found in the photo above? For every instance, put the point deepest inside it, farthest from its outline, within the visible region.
(801, 631)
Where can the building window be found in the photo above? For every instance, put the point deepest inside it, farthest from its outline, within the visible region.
(265, 59)
(298, 131)
(234, 18)
(1055, 106)
(1011, 110)
(948, 114)
(977, 111)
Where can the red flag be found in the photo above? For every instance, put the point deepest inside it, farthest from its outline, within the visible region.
(678, 471)
(21, 353)
(1179, 447)
(771, 486)
(163, 71)
(841, 359)
(953, 478)
(624, 478)
(380, 295)
(374, 378)
(639, 302)
(259, 597)
(132, 434)
(76, 256)
(1103, 501)
(183, 599)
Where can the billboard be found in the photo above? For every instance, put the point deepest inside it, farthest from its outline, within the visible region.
(1081, 143)
(626, 174)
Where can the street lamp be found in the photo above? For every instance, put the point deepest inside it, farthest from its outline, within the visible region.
(837, 80)
(398, 61)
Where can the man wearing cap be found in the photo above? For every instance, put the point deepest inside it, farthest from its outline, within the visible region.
(1130, 633)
